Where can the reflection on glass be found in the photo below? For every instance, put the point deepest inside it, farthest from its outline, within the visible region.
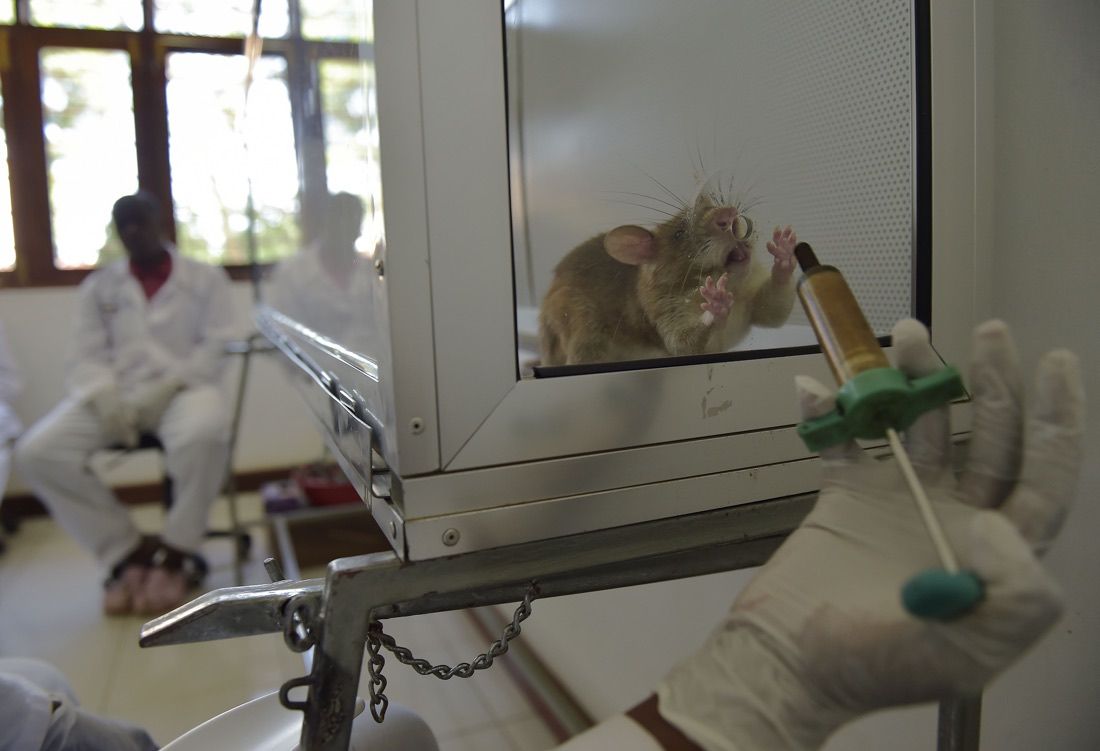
(337, 19)
(326, 286)
(87, 14)
(660, 144)
(219, 18)
(86, 99)
(214, 148)
(7, 233)
(351, 140)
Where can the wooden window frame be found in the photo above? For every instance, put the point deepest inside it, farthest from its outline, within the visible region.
(20, 77)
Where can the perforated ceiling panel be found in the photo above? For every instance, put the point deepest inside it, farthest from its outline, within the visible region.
(849, 118)
(802, 110)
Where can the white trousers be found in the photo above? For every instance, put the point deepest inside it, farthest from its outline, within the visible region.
(53, 458)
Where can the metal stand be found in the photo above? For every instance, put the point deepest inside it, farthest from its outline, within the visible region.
(960, 724)
(242, 541)
(332, 616)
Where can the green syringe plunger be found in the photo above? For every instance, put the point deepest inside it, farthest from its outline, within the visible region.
(873, 396)
(876, 401)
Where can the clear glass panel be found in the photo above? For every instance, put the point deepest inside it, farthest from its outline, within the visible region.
(87, 14)
(87, 99)
(351, 140)
(337, 19)
(215, 149)
(660, 143)
(7, 11)
(7, 233)
(219, 17)
(327, 286)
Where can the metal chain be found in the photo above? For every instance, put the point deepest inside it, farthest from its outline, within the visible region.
(376, 639)
(299, 624)
(377, 686)
(300, 634)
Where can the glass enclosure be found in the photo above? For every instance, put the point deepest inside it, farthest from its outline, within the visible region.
(324, 285)
(90, 14)
(655, 145)
(336, 19)
(221, 18)
(220, 150)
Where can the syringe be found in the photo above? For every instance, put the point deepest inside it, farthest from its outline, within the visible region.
(876, 401)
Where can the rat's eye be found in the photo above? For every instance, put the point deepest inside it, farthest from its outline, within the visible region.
(680, 234)
(742, 227)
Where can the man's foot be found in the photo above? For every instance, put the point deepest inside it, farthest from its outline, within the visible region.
(121, 590)
(164, 589)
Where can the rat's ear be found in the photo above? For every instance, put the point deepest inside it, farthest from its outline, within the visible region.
(630, 244)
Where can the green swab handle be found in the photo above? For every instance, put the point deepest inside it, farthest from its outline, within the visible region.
(942, 596)
(867, 406)
(879, 399)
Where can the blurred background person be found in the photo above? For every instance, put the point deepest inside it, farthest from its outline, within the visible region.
(148, 357)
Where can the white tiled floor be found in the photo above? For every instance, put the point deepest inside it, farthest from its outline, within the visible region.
(50, 609)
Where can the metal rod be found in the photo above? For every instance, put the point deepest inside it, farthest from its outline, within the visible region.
(924, 505)
(232, 611)
(960, 724)
(382, 586)
(274, 570)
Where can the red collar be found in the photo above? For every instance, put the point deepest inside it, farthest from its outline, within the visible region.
(152, 278)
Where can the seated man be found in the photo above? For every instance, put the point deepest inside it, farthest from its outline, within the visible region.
(151, 330)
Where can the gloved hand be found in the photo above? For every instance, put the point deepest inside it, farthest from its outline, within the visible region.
(118, 418)
(151, 399)
(820, 636)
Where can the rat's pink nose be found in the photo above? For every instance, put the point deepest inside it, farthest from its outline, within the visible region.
(724, 218)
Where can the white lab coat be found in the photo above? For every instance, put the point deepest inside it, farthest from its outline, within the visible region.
(125, 340)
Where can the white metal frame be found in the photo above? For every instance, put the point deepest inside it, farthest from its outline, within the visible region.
(484, 458)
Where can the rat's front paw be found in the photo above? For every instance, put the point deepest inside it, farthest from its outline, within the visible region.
(781, 246)
(717, 300)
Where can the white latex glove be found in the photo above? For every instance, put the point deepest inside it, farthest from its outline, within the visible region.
(118, 418)
(151, 399)
(820, 636)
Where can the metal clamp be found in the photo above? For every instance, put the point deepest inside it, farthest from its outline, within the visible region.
(299, 626)
(284, 693)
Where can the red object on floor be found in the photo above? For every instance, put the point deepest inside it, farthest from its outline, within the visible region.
(325, 486)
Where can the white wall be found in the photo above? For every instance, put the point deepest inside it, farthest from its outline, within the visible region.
(276, 431)
(1043, 147)
(1047, 240)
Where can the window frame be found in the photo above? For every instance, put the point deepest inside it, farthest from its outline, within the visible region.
(20, 79)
